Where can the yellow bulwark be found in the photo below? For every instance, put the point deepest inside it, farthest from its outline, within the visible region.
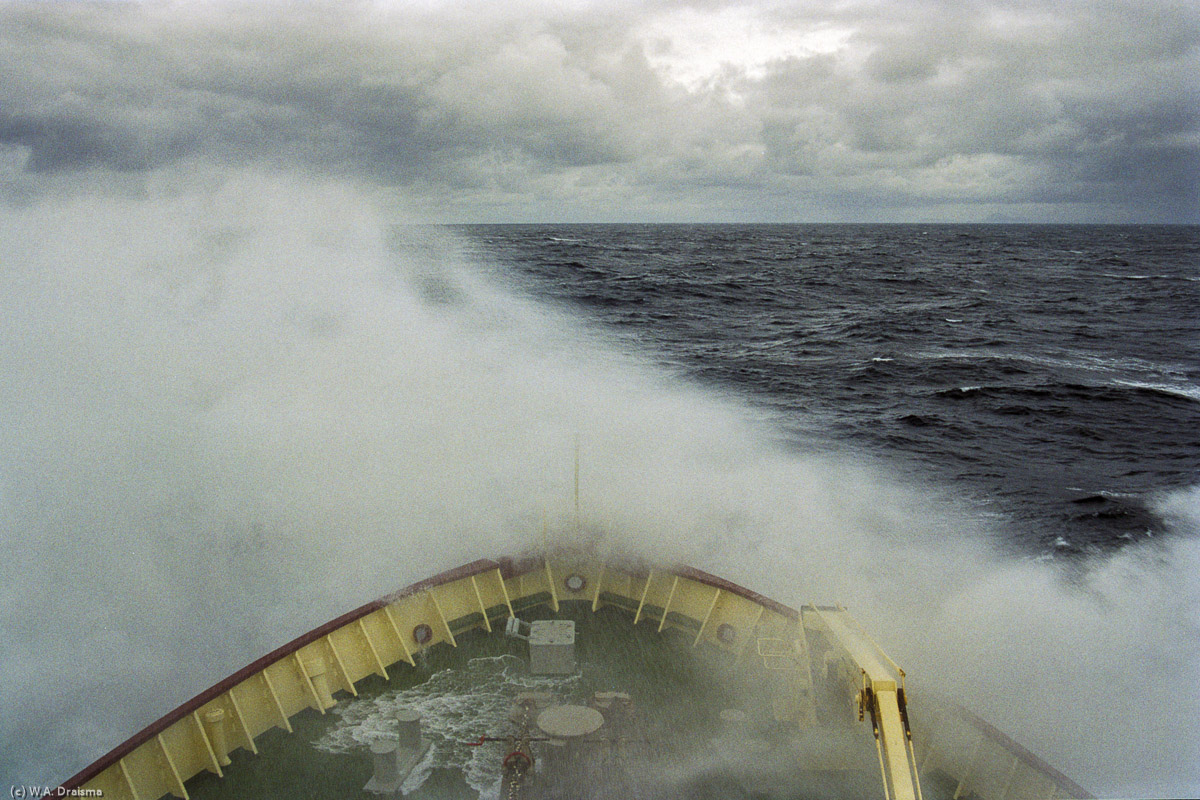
(309, 671)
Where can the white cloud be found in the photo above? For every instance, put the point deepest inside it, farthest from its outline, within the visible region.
(694, 47)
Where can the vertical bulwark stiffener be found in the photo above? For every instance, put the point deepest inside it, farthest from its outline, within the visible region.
(881, 699)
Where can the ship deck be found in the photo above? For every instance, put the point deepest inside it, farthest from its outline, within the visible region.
(723, 693)
(684, 748)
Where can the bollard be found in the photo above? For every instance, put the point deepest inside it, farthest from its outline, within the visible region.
(386, 778)
(409, 727)
(395, 759)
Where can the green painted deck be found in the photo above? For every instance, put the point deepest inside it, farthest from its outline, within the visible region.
(678, 690)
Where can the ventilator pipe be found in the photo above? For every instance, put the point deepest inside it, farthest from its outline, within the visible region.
(320, 680)
(214, 729)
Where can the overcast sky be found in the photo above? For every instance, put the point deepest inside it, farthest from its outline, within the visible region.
(607, 111)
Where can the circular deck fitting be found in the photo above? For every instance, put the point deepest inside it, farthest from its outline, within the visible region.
(422, 634)
(575, 582)
(726, 633)
(569, 722)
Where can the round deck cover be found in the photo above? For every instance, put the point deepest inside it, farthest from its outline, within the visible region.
(568, 722)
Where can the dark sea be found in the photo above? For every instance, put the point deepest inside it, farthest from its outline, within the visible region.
(1051, 374)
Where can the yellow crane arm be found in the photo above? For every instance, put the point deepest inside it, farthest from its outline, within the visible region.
(882, 698)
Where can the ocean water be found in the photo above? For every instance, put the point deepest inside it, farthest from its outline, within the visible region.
(1050, 373)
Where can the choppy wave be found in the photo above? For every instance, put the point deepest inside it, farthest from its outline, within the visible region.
(1184, 390)
(1116, 276)
(1115, 391)
(1072, 361)
(1079, 376)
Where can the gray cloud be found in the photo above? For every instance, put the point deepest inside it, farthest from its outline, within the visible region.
(863, 110)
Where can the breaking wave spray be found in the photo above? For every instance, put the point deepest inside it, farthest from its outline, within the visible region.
(230, 411)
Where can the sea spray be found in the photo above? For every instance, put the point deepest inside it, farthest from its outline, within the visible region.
(232, 410)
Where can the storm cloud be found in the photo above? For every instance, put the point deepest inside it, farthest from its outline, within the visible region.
(823, 111)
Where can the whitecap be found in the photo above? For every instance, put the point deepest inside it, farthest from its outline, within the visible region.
(1186, 390)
